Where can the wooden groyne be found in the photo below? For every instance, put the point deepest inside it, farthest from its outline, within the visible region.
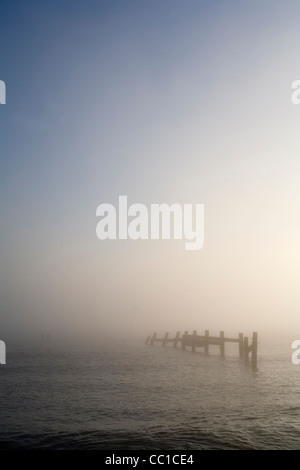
(204, 341)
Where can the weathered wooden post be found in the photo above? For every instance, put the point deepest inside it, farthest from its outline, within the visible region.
(206, 343)
(222, 344)
(165, 338)
(176, 340)
(254, 350)
(246, 349)
(194, 340)
(153, 339)
(183, 340)
(241, 344)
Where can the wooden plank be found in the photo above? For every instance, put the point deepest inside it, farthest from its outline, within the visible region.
(206, 345)
(165, 339)
(176, 340)
(194, 340)
(254, 350)
(153, 339)
(222, 344)
(203, 341)
(196, 343)
(216, 339)
(241, 344)
(246, 349)
(183, 340)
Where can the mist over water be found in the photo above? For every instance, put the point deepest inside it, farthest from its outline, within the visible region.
(169, 104)
(125, 395)
(164, 103)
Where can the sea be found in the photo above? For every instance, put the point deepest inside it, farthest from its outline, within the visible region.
(120, 394)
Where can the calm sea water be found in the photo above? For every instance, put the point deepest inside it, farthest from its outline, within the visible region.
(126, 395)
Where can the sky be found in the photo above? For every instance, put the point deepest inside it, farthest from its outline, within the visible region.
(165, 102)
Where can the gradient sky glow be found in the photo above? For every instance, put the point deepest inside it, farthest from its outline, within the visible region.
(162, 101)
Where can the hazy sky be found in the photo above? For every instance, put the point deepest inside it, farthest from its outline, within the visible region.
(162, 101)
